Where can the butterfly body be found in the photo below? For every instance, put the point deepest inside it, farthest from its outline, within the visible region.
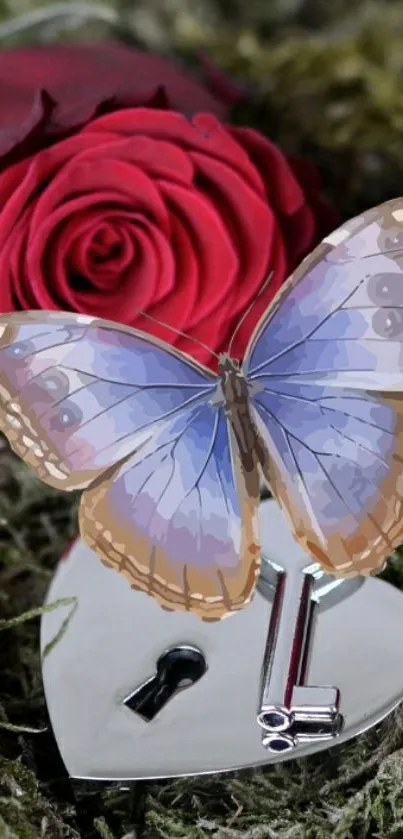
(237, 393)
(168, 453)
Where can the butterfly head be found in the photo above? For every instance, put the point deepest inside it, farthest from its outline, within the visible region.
(227, 364)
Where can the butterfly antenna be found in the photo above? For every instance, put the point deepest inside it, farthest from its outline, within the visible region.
(249, 309)
(178, 332)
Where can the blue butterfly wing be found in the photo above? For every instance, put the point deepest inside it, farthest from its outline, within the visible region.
(79, 394)
(326, 372)
(339, 319)
(177, 519)
(335, 464)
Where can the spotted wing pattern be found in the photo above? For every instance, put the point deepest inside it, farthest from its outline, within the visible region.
(79, 394)
(339, 319)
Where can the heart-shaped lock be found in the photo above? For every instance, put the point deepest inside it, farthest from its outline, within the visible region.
(136, 692)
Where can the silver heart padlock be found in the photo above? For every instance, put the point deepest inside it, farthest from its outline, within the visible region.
(136, 692)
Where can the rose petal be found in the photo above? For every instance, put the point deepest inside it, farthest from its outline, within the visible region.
(95, 268)
(283, 190)
(22, 180)
(204, 133)
(152, 283)
(326, 217)
(18, 139)
(12, 267)
(176, 309)
(216, 256)
(251, 232)
(99, 72)
(115, 182)
(139, 284)
(160, 159)
(103, 254)
(278, 263)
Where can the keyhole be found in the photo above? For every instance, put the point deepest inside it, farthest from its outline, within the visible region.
(177, 669)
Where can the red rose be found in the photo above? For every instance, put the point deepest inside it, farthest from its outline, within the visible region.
(113, 201)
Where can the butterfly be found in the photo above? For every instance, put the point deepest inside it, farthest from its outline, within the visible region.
(170, 455)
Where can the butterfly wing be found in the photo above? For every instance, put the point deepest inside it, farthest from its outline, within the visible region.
(177, 519)
(326, 367)
(335, 464)
(339, 318)
(79, 394)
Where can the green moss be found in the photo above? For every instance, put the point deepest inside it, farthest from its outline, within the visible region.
(333, 95)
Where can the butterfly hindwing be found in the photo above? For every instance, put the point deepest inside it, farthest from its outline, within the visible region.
(177, 519)
(336, 466)
(79, 394)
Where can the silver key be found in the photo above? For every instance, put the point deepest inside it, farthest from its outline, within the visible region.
(285, 698)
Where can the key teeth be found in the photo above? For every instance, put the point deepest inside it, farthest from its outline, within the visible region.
(323, 707)
(301, 735)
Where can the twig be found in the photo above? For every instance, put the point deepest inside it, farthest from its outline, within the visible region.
(37, 612)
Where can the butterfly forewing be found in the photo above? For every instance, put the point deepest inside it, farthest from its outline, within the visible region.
(339, 319)
(322, 364)
(78, 396)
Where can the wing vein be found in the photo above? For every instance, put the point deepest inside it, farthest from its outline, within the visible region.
(113, 381)
(317, 456)
(220, 481)
(201, 472)
(301, 341)
(152, 425)
(317, 401)
(291, 451)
